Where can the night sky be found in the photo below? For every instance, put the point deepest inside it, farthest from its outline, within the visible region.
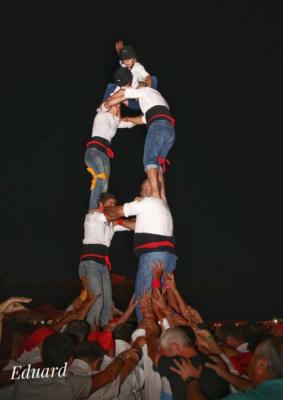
(219, 66)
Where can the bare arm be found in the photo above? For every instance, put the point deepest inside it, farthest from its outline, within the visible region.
(128, 367)
(119, 365)
(127, 223)
(112, 213)
(220, 367)
(135, 120)
(116, 98)
(124, 317)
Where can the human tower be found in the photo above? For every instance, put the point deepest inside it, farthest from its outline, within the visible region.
(148, 215)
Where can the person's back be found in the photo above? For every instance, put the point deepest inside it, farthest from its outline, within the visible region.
(153, 216)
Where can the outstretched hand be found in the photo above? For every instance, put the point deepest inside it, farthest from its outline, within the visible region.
(157, 270)
(132, 303)
(14, 304)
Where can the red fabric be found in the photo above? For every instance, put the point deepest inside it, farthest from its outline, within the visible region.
(153, 245)
(105, 339)
(170, 119)
(37, 337)
(119, 221)
(156, 284)
(109, 151)
(241, 362)
(163, 161)
(277, 329)
(106, 258)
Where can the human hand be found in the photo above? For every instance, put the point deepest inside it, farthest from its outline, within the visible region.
(178, 320)
(185, 369)
(132, 303)
(119, 44)
(14, 304)
(157, 270)
(218, 365)
(130, 353)
(170, 281)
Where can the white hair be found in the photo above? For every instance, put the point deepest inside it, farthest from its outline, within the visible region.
(174, 335)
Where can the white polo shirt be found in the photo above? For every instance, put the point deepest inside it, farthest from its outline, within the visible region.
(105, 124)
(152, 216)
(147, 97)
(139, 73)
(97, 230)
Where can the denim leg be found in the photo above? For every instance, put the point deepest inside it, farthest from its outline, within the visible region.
(144, 273)
(99, 162)
(92, 270)
(154, 82)
(159, 140)
(109, 89)
(107, 295)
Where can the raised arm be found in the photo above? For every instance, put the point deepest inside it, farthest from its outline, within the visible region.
(116, 98)
(123, 364)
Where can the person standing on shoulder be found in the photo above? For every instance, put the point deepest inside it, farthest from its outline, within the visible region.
(160, 128)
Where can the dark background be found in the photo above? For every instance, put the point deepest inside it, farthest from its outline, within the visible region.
(219, 66)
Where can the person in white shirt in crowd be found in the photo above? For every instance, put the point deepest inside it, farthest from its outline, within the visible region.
(94, 260)
(128, 59)
(160, 127)
(153, 239)
(131, 389)
(234, 338)
(98, 149)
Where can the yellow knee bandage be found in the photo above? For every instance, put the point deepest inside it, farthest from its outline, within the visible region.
(96, 176)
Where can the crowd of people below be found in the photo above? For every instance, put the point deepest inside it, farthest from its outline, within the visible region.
(171, 353)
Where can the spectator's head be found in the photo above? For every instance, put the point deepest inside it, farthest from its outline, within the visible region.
(190, 333)
(175, 341)
(232, 336)
(108, 199)
(106, 341)
(123, 77)
(267, 361)
(145, 189)
(79, 328)
(91, 352)
(58, 349)
(128, 56)
(123, 332)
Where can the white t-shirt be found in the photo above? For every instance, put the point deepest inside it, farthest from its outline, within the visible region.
(147, 97)
(105, 124)
(106, 392)
(152, 216)
(139, 73)
(98, 230)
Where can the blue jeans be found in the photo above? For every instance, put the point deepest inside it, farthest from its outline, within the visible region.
(99, 162)
(133, 104)
(159, 140)
(144, 273)
(98, 282)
